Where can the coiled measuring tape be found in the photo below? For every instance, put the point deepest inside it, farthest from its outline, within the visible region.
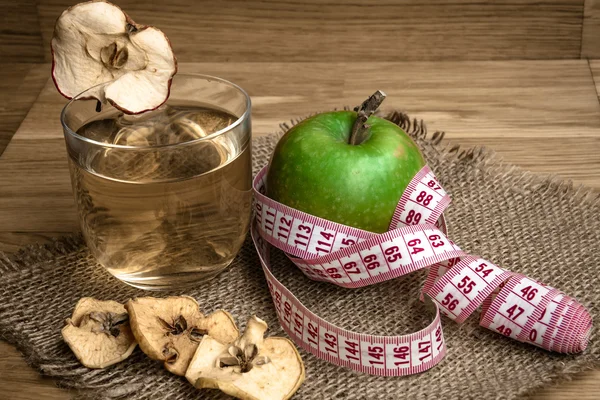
(458, 283)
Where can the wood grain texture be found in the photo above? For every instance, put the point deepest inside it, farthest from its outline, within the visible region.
(19, 88)
(543, 115)
(20, 35)
(466, 99)
(585, 386)
(20, 382)
(590, 35)
(355, 30)
(10, 116)
(569, 158)
(595, 69)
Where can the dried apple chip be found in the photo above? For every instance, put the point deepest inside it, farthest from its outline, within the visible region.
(251, 368)
(171, 329)
(98, 333)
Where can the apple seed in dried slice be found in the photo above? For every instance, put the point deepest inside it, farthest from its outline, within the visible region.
(251, 368)
(170, 329)
(96, 42)
(98, 333)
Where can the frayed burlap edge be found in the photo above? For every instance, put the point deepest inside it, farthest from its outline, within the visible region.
(32, 258)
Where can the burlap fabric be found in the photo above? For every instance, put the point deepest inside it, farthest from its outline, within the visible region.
(536, 225)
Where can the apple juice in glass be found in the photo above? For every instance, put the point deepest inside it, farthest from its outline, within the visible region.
(163, 197)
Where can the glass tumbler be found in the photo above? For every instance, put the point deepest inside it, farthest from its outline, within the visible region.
(164, 197)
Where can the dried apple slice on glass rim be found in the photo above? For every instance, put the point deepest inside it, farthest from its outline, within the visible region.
(96, 42)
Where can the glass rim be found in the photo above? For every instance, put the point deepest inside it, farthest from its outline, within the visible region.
(220, 132)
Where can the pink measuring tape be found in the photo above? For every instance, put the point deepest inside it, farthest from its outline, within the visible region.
(458, 283)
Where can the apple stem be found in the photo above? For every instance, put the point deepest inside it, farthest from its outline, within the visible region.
(365, 110)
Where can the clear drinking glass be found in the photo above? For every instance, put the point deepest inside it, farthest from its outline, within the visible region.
(163, 198)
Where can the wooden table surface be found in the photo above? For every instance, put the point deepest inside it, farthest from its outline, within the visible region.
(541, 115)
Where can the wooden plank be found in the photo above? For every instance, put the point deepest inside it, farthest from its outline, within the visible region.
(595, 68)
(19, 382)
(590, 40)
(20, 85)
(486, 99)
(585, 386)
(13, 241)
(13, 76)
(466, 99)
(570, 158)
(20, 36)
(355, 30)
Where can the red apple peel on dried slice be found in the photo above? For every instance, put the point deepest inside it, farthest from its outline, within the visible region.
(96, 42)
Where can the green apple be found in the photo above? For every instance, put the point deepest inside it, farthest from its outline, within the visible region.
(315, 169)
